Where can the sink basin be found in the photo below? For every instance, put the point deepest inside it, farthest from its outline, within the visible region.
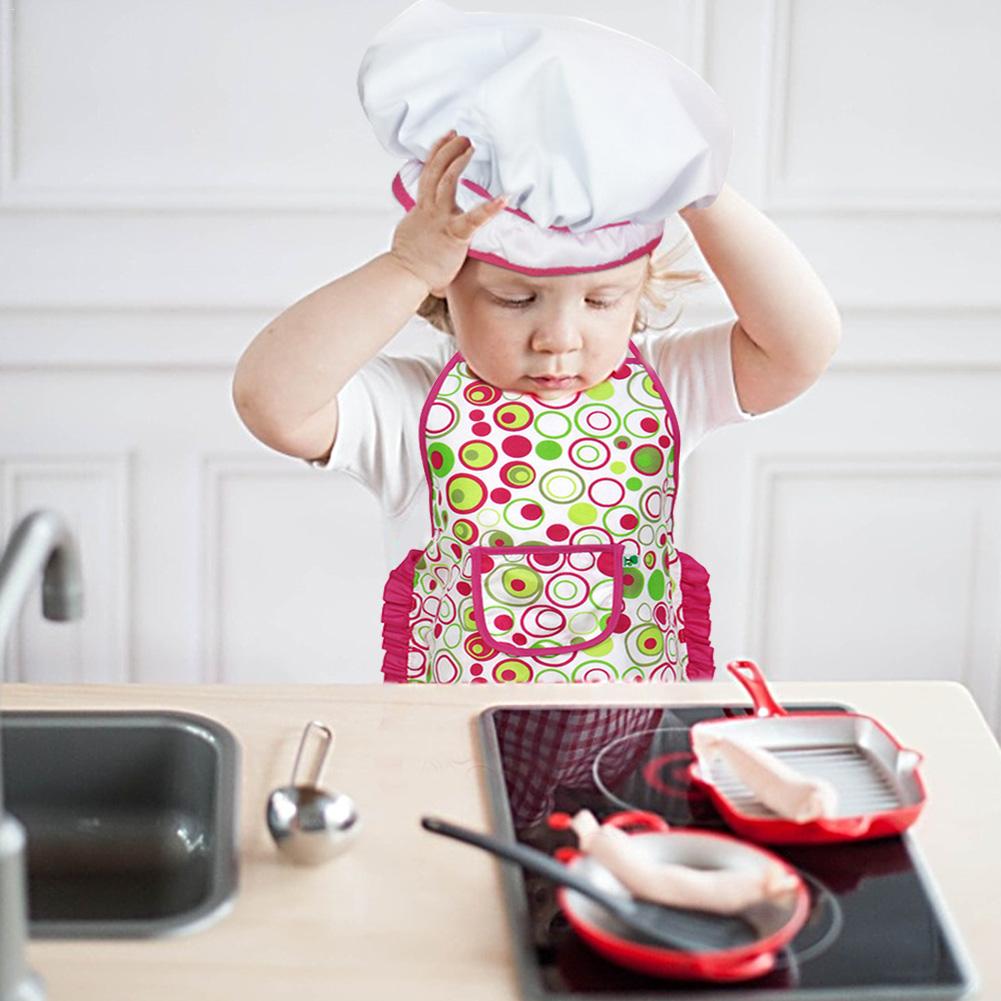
(130, 819)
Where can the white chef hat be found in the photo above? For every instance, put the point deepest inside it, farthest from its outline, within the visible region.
(595, 136)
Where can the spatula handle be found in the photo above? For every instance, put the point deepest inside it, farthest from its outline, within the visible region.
(539, 862)
(524, 855)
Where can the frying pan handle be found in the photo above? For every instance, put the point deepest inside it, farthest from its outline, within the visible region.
(641, 820)
(749, 675)
(559, 821)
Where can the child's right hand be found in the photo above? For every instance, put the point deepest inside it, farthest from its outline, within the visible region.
(432, 240)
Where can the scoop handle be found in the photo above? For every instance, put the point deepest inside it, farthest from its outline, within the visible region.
(749, 675)
(327, 736)
(539, 862)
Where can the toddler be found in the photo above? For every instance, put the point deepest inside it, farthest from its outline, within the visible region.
(541, 441)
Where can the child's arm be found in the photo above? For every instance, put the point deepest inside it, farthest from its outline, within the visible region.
(286, 383)
(788, 326)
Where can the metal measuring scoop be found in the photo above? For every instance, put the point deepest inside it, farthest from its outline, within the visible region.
(308, 824)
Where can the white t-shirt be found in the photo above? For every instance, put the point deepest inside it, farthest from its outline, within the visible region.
(378, 436)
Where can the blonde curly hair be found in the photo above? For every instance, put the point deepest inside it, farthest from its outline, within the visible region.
(661, 287)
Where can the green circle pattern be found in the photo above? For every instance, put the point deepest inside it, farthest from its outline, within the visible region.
(597, 409)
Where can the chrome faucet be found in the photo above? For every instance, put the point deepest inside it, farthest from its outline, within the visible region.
(40, 542)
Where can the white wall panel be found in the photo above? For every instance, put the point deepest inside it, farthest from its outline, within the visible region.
(133, 337)
(878, 567)
(293, 577)
(782, 510)
(177, 261)
(871, 106)
(165, 103)
(217, 558)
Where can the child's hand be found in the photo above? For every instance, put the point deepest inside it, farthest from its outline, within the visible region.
(432, 240)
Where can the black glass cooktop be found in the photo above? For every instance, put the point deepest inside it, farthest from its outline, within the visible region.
(876, 931)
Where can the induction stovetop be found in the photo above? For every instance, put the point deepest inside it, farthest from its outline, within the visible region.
(877, 930)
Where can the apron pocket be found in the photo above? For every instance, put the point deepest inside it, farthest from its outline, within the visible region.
(545, 600)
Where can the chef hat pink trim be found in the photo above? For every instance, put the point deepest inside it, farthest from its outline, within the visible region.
(513, 240)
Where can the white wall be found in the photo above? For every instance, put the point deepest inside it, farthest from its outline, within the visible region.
(174, 174)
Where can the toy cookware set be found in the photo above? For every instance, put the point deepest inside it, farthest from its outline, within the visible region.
(879, 793)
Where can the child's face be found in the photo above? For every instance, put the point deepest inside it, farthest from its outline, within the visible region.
(515, 331)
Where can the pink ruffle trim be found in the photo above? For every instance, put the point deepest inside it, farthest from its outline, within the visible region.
(695, 612)
(397, 601)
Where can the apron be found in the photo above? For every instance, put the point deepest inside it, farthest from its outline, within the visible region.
(552, 554)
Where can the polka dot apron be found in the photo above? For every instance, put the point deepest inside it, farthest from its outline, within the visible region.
(552, 555)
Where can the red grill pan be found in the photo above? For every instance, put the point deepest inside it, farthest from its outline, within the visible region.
(880, 792)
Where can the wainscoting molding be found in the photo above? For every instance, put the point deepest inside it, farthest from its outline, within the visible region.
(291, 573)
(891, 570)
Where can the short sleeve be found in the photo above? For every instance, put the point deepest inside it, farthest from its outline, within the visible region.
(696, 368)
(378, 418)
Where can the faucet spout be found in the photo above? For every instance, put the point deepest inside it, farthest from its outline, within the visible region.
(41, 542)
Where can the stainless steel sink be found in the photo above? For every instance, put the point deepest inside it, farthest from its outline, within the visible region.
(130, 819)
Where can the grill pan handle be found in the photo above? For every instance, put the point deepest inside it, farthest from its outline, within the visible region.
(750, 676)
(855, 827)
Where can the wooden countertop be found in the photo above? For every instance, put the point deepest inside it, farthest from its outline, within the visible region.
(406, 912)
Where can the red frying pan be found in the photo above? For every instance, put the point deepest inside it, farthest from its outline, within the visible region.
(879, 790)
(776, 924)
(744, 946)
